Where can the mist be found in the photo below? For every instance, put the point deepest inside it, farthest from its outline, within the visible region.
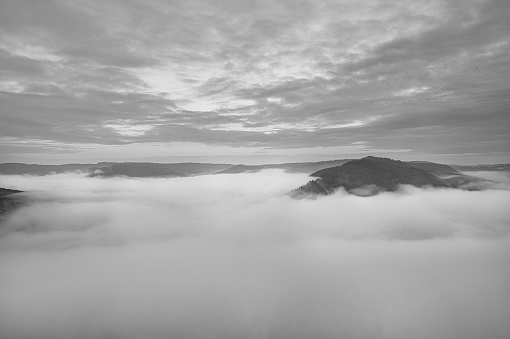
(502, 177)
(233, 256)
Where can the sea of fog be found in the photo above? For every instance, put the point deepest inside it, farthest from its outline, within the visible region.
(232, 256)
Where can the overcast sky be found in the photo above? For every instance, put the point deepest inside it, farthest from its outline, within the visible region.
(254, 81)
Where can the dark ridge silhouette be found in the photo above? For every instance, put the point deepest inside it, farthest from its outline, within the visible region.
(34, 169)
(293, 167)
(8, 191)
(456, 179)
(108, 169)
(433, 168)
(368, 176)
(311, 167)
(235, 169)
(472, 168)
(313, 187)
(192, 168)
(240, 169)
(468, 182)
(135, 169)
(9, 201)
(148, 169)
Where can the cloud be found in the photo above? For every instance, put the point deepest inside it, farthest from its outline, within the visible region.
(229, 256)
(19, 64)
(290, 69)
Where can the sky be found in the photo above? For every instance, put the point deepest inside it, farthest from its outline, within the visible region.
(254, 81)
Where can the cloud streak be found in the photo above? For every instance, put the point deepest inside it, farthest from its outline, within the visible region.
(272, 74)
(230, 256)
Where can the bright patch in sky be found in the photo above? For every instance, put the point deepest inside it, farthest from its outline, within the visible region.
(411, 91)
(130, 130)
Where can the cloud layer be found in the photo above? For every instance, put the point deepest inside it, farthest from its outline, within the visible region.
(274, 75)
(230, 256)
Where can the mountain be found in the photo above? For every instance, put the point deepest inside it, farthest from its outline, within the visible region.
(468, 182)
(440, 170)
(369, 176)
(148, 169)
(433, 168)
(473, 168)
(235, 169)
(310, 167)
(293, 167)
(9, 201)
(154, 170)
(7, 191)
(192, 168)
(33, 169)
(135, 169)
(108, 169)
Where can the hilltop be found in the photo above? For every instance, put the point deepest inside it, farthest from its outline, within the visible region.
(371, 175)
(433, 168)
(9, 201)
(451, 174)
(111, 169)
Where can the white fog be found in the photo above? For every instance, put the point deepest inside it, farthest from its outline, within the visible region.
(232, 256)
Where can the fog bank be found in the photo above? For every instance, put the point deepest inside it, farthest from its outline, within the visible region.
(498, 176)
(231, 256)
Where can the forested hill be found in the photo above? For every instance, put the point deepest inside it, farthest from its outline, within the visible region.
(434, 168)
(369, 176)
(7, 191)
(9, 201)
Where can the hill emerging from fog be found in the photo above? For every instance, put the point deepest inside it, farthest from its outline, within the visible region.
(448, 175)
(9, 201)
(371, 175)
(7, 191)
(35, 169)
(433, 168)
(293, 167)
(137, 170)
(112, 169)
(158, 170)
(483, 167)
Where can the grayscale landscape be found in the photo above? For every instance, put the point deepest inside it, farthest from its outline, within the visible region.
(254, 169)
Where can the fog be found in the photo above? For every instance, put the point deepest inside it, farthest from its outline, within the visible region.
(497, 176)
(232, 256)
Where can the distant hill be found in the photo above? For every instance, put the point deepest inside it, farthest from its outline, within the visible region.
(33, 169)
(467, 182)
(135, 169)
(368, 176)
(108, 169)
(148, 169)
(296, 167)
(473, 168)
(235, 169)
(192, 168)
(310, 167)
